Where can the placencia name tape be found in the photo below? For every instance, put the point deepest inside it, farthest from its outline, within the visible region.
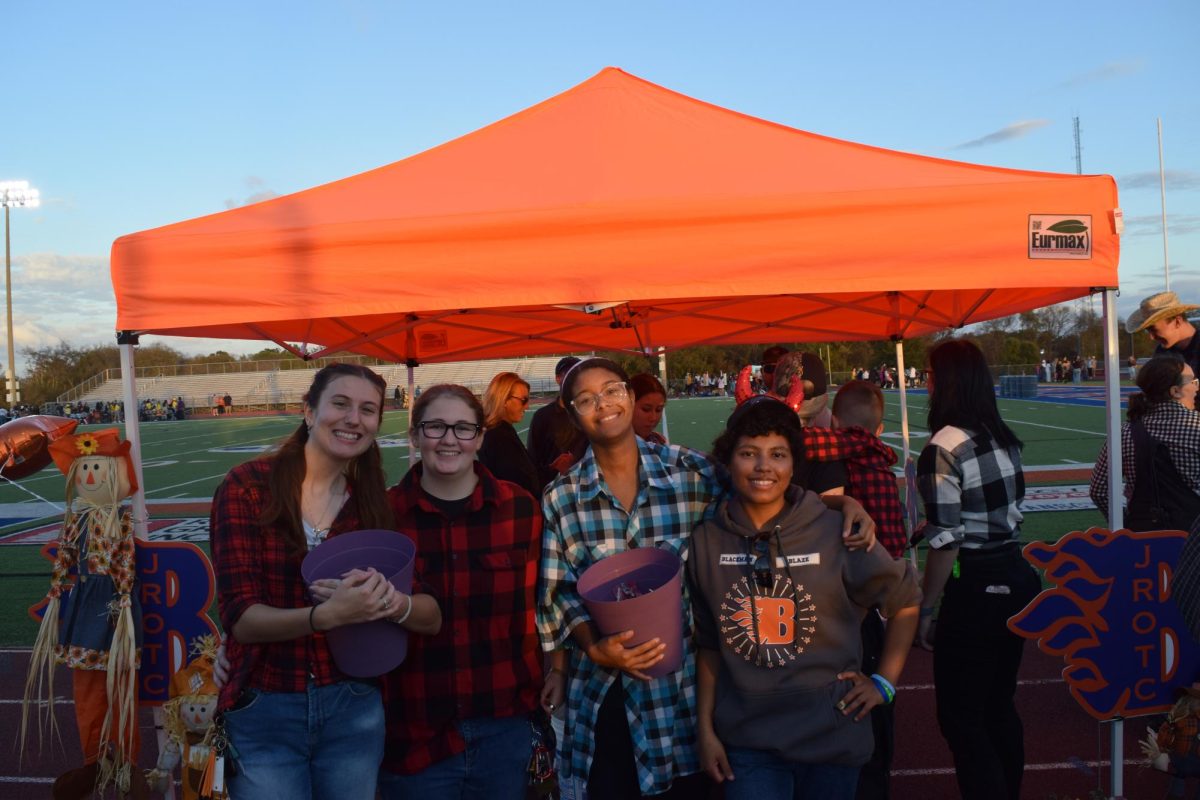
(741, 559)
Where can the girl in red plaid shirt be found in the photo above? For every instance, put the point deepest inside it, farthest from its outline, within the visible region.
(297, 727)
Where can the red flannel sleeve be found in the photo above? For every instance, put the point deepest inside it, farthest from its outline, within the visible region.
(828, 444)
(237, 554)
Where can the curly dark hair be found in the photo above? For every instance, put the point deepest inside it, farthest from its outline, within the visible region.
(760, 416)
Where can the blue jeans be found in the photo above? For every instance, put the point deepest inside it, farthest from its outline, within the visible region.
(759, 775)
(493, 766)
(325, 742)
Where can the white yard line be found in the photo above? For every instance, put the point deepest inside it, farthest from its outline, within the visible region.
(913, 773)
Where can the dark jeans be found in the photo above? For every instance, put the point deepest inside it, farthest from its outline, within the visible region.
(614, 774)
(875, 777)
(975, 663)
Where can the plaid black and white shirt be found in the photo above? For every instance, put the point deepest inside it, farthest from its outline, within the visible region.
(971, 487)
(1170, 423)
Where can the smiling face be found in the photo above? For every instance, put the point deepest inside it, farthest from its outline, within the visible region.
(647, 413)
(1185, 394)
(761, 471)
(101, 480)
(448, 457)
(607, 413)
(1169, 332)
(346, 418)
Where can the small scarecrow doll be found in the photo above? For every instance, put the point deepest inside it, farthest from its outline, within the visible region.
(1175, 749)
(191, 731)
(92, 620)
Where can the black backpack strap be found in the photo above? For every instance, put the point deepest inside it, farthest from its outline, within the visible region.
(1144, 505)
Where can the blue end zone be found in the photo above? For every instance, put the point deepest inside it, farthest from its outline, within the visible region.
(1078, 395)
(1063, 395)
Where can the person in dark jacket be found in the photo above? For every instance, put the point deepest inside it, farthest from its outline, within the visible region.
(555, 443)
(502, 451)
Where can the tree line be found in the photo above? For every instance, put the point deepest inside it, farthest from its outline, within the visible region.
(1065, 330)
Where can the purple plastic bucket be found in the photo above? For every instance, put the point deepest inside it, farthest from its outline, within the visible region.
(657, 610)
(367, 649)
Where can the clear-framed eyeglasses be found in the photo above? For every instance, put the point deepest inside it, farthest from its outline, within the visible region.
(588, 403)
(436, 429)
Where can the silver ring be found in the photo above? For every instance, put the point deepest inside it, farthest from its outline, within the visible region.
(552, 706)
(841, 705)
(386, 603)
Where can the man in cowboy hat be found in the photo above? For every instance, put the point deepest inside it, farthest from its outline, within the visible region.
(1162, 316)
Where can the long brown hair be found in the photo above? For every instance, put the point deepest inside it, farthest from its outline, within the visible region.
(365, 472)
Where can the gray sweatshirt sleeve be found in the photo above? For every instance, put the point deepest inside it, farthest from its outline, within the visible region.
(706, 627)
(876, 579)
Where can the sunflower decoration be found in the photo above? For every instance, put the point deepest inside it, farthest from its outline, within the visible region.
(87, 444)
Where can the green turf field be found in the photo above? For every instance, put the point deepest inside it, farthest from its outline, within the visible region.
(186, 460)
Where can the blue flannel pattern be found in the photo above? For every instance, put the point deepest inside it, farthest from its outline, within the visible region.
(583, 524)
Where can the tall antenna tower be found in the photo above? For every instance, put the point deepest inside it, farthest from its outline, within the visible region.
(1078, 150)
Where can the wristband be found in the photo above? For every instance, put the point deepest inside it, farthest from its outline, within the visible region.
(885, 688)
(312, 623)
(926, 612)
(406, 613)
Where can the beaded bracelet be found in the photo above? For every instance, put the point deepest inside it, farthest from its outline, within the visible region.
(885, 688)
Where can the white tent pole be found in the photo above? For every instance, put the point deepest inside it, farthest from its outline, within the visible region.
(903, 397)
(662, 372)
(1116, 492)
(126, 342)
(412, 400)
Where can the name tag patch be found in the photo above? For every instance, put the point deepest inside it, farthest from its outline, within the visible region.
(742, 559)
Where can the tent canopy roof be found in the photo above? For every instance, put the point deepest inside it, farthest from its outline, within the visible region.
(619, 215)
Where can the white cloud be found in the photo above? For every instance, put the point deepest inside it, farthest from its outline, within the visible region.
(1008, 132)
(1103, 73)
(1151, 225)
(1177, 179)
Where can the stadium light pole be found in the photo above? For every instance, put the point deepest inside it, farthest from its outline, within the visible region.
(13, 194)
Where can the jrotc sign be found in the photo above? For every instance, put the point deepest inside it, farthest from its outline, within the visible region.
(1110, 616)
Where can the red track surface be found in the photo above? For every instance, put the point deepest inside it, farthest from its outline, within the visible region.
(1062, 744)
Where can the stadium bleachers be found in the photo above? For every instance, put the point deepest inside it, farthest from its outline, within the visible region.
(259, 389)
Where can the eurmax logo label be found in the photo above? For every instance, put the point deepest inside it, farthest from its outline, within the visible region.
(1060, 236)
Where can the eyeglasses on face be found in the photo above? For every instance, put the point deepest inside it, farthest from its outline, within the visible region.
(522, 400)
(587, 403)
(463, 431)
(762, 562)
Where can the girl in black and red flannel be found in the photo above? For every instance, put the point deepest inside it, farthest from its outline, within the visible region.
(298, 727)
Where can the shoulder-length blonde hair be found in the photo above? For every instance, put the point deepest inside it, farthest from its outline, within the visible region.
(497, 394)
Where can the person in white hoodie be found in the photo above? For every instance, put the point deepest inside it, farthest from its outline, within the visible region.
(778, 603)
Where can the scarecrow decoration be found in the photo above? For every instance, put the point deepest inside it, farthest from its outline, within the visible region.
(92, 620)
(191, 731)
(1175, 749)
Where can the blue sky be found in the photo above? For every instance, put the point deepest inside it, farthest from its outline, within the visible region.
(128, 115)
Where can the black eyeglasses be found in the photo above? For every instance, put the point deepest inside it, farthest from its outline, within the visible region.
(463, 431)
(522, 400)
(762, 561)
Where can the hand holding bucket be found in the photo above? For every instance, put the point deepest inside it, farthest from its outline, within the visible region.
(639, 590)
(366, 649)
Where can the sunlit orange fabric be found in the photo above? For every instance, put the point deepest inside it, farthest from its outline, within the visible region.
(703, 223)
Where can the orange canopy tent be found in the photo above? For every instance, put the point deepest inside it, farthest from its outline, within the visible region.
(622, 215)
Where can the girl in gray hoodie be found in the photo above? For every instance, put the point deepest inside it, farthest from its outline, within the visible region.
(778, 603)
